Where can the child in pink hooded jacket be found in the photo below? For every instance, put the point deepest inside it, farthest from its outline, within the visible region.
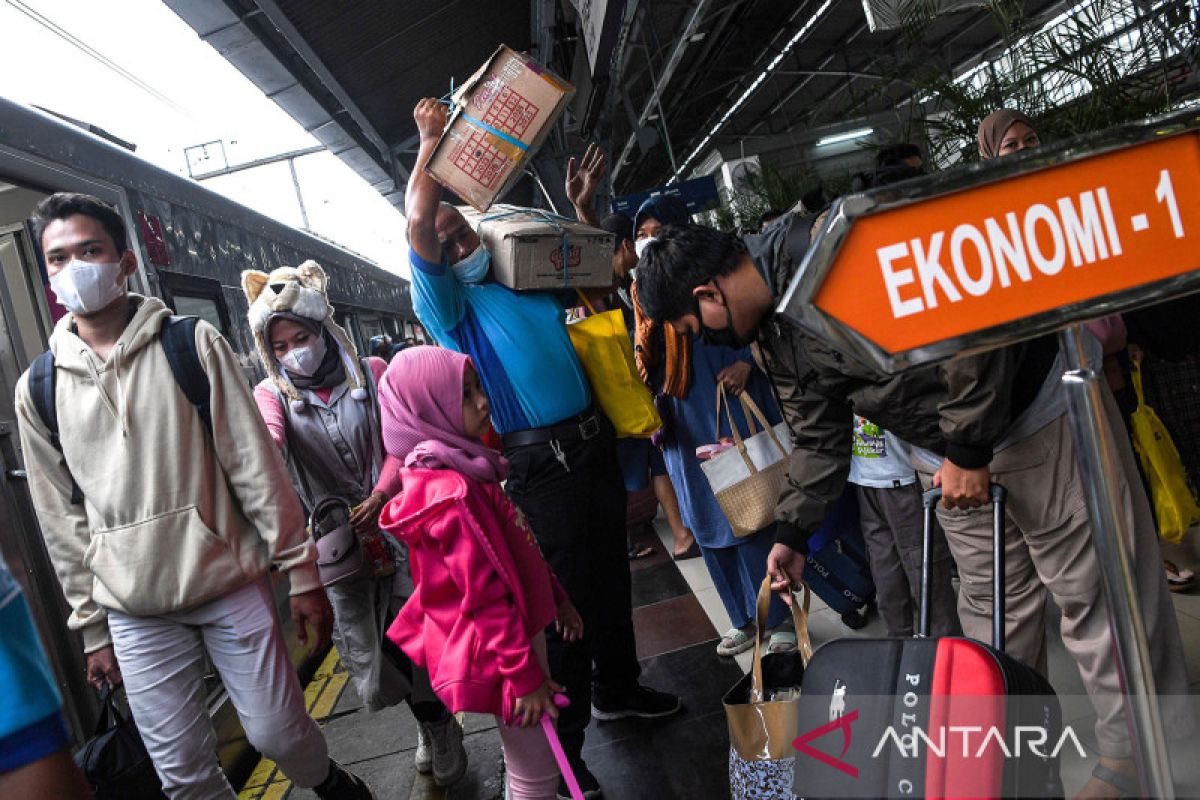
(484, 594)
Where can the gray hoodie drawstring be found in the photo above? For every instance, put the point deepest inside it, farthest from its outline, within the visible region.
(122, 406)
(86, 354)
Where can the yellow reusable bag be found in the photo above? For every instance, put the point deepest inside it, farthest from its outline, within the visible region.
(606, 354)
(1174, 505)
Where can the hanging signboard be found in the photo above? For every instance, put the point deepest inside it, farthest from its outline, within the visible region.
(1008, 249)
(698, 194)
(600, 22)
(984, 256)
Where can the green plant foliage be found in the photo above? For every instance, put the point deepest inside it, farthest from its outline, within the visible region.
(1104, 66)
(761, 190)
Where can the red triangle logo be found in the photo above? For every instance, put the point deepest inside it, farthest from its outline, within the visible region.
(843, 724)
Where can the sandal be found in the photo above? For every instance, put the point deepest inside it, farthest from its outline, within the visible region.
(734, 641)
(1178, 580)
(691, 552)
(640, 551)
(782, 641)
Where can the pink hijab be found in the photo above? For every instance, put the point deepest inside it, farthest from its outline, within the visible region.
(421, 399)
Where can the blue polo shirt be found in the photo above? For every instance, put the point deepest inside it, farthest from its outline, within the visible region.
(518, 341)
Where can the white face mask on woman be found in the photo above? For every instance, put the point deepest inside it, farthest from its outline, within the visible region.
(305, 360)
(640, 245)
(85, 287)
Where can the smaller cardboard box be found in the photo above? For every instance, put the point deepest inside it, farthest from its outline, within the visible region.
(502, 114)
(535, 249)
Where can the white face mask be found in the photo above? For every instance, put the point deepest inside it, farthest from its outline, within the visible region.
(640, 245)
(305, 360)
(85, 287)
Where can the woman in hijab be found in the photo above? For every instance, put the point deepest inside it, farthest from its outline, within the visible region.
(1005, 132)
(321, 406)
(686, 372)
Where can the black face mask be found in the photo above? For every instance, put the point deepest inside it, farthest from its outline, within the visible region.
(726, 337)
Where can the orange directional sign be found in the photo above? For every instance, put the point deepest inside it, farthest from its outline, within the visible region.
(933, 270)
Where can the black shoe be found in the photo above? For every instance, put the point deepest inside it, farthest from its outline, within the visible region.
(587, 783)
(342, 785)
(854, 620)
(641, 702)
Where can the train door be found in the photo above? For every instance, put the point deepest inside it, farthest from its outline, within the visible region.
(25, 323)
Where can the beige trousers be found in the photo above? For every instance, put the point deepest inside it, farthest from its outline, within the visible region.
(1048, 548)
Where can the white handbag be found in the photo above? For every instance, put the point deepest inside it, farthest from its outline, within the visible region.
(748, 478)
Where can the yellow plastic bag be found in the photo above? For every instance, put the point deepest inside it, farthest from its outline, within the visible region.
(606, 353)
(1174, 505)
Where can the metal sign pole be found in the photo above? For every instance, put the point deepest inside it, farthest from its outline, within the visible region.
(1095, 451)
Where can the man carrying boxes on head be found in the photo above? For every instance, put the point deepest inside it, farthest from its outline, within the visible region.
(564, 474)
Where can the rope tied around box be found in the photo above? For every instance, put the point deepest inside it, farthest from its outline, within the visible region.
(550, 218)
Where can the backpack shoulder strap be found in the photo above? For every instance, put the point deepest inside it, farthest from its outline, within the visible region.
(42, 387)
(178, 336)
(41, 392)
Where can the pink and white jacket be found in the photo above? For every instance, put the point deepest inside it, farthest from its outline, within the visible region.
(483, 590)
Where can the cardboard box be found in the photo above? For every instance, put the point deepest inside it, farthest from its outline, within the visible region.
(527, 244)
(502, 115)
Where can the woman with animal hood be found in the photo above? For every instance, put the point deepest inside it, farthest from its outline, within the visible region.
(321, 405)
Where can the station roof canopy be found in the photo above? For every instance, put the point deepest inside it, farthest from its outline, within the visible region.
(351, 71)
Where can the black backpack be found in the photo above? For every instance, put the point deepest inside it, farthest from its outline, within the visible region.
(115, 761)
(178, 339)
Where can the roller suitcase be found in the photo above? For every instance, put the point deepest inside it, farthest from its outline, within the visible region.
(922, 717)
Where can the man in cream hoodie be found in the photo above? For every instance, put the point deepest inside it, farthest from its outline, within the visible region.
(166, 555)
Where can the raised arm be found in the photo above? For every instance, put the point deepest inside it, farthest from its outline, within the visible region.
(582, 181)
(421, 199)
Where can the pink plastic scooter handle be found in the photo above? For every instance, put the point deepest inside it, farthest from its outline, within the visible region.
(564, 766)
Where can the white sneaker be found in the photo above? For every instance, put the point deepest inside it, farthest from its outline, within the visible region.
(424, 757)
(449, 760)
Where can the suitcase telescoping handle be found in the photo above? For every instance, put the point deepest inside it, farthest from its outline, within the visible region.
(930, 500)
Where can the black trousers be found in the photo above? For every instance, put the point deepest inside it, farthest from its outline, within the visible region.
(577, 513)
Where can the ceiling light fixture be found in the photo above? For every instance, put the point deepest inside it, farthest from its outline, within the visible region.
(750, 90)
(858, 133)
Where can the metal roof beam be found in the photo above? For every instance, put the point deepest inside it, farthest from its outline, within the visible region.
(261, 162)
(668, 70)
(763, 118)
(297, 42)
(791, 29)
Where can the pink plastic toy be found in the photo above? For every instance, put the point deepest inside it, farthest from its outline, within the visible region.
(560, 756)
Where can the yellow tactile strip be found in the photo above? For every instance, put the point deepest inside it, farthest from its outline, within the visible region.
(321, 694)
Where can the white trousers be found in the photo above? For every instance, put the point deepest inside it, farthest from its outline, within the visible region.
(161, 660)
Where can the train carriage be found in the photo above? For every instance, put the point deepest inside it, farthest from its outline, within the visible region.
(192, 246)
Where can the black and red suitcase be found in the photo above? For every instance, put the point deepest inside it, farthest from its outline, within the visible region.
(923, 717)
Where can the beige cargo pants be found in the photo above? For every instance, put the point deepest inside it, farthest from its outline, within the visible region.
(1048, 548)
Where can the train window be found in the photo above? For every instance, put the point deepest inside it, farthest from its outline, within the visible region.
(190, 295)
(371, 327)
(350, 324)
(203, 307)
